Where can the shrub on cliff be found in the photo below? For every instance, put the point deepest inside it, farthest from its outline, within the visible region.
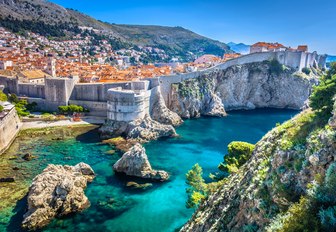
(238, 154)
(306, 70)
(1, 108)
(314, 212)
(322, 97)
(275, 67)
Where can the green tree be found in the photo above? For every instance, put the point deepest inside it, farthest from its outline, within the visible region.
(323, 94)
(71, 109)
(238, 154)
(3, 97)
(63, 109)
(197, 190)
(13, 98)
(1, 108)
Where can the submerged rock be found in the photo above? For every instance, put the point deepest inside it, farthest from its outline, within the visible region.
(120, 143)
(135, 185)
(115, 206)
(7, 180)
(135, 163)
(56, 192)
(28, 157)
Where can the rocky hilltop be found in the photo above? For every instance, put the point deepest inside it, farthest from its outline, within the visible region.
(289, 182)
(248, 86)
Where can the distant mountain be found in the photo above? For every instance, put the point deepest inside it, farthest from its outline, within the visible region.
(52, 20)
(239, 48)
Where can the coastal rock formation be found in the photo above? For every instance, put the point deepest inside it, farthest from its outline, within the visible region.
(288, 160)
(146, 129)
(140, 130)
(56, 192)
(135, 163)
(248, 86)
(160, 112)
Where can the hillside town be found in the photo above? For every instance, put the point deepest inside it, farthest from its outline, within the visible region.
(33, 57)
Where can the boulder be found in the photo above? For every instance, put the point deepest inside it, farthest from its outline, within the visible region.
(56, 192)
(135, 163)
(140, 130)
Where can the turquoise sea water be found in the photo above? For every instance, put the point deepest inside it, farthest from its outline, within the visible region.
(161, 207)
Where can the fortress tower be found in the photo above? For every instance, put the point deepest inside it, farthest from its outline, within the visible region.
(51, 69)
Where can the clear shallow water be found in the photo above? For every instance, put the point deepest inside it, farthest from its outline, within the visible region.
(161, 207)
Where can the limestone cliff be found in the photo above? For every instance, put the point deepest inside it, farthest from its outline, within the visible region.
(159, 111)
(248, 86)
(284, 165)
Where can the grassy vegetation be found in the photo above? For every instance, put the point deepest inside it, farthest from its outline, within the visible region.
(314, 212)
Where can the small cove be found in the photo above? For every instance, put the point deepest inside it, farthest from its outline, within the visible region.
(159, 208)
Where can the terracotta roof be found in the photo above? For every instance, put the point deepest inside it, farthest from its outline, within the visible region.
(7, 73)
(33, 74)
(268, 45)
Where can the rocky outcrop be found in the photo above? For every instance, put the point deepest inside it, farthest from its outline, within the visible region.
(277, 175)
(248, 86)
(135, 163)
(141, 130)
(159, 110)
(56, 192)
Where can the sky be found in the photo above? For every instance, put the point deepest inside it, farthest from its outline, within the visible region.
(290, 22)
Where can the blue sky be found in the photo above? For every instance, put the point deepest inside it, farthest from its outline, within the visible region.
(291, 22)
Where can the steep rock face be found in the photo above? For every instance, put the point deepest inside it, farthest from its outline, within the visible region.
(141, 130)
(249, 86)
(277, 174)
(159, 110)
(135, 163)
(56, 192)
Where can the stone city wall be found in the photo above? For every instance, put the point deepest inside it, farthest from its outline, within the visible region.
(9, 127)
(63, 91)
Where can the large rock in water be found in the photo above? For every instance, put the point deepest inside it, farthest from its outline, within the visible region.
(57, 191)
(135, 163)
(141, 130)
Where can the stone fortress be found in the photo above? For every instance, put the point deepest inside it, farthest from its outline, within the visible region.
(130, 101)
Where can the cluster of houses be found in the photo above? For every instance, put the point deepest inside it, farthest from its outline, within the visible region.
(32, 58)
(275, 47)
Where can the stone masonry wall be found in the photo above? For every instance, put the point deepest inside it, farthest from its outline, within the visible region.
(9, 127)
